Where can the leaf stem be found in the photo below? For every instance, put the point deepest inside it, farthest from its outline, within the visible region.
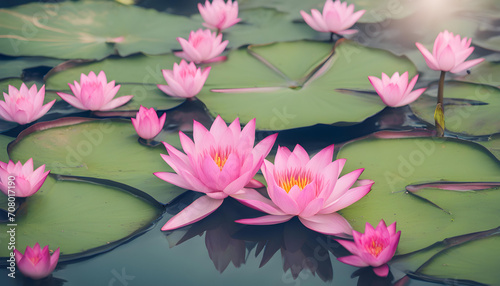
(439, 112)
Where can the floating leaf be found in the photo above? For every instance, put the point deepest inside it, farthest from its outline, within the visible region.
(470, 109)
(105, 149)
(14, 67)
(297, 84)
(88, 30)
(429, 215)
(81, 218)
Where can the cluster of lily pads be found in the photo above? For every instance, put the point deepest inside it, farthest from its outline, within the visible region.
(222, 161)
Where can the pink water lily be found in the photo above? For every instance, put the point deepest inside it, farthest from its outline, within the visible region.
(203, 46)
(308, 188)
(220, 162)
(219, 15)
(336, 18)
(94, 93)
(20, 180)
(36, 263)
(395, 91)
(449, 53)
(24, 105)
(184, 80)
(147, 124)
(373, 248)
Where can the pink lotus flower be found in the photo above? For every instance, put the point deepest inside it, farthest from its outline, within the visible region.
(203, 46)
(94, 93)
(219, 163)
(373, 248)
(185, 80)
(396, 91)
(24, 106)
(307, 188)
(36, 263)
(219, 15)
(337, 18)
(449, 53)
(147, 124)
(20, 180)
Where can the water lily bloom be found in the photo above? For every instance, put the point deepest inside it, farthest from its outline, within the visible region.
(36, 263)
(449, 53)
(220, 162)
(396, 91)
(185, 80)
(20, 180)
(373, 248)
(147, 124)
(308, 188)
(24, 105)
(94, 93)
(219, 15)
(203, 46)
(336, 18)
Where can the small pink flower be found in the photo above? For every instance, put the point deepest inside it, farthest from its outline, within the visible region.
(337, 18)
(396, 91)
(373, 248)
(219, 15)
(24, 106)
(94, 93)
(449, 53)
(147, 124)
(20, 180)
(36, 263)
(308, 188)
(185, 80)
(219, 163)
(203, 46)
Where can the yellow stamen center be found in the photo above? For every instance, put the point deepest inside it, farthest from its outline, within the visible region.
(375, 247)
(300, 180)
(220, 157)
(34, 260)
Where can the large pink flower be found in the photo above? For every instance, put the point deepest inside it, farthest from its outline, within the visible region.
(20, 180)
(219, 163)
(94, 93)
(36, 263)
(147, 124)
(219, 15)
(396, 91)
(24, 105)
(185, 80)
(203, 46)
(449, 53)
(373, 248)
(337, 18)
(308, 188)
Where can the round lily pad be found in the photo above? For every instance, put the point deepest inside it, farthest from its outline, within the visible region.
(470, 109)
(89, 30)
(295, 84)
(104, 149)
(424, 216)
(81, 218)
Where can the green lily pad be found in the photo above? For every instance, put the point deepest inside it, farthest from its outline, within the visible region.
(88, 30)
(81, 218)
(427, 216)
(296, 84)
(484, 73)
(14, 67)
(493, 145)
(475, 261)
(104, 149)
(377, 11)
(470, 109)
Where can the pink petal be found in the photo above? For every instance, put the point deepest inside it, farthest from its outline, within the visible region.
(265, 220)
(382, 270)
(196, 211)
(254, 199)
(353, 260)
(332, 224)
